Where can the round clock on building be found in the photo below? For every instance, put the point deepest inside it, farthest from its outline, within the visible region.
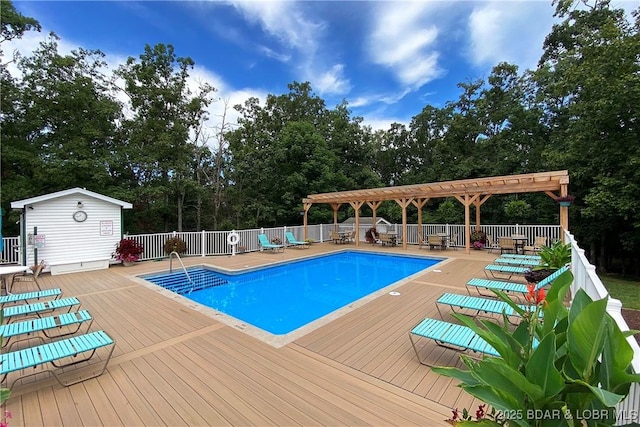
(80, 216)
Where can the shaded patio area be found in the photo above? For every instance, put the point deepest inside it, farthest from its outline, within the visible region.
(177, 363)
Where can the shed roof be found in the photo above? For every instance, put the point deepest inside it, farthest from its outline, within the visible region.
(20, 204)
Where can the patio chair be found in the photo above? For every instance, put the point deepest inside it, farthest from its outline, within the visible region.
(517, 288)
(293, 242)
(453, 242)
(435, 242)
(336, 237)
(491, 244)
(507, 244)
(59, 354)
(449, 335)
(266, 244)
(507, 270)
(27, 296)
(39, 308)
(64, 324)
(523, 262)
(538, 243)
(30, 276)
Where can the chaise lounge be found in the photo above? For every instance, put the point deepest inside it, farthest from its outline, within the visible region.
(46, 325)
(266, 244)
(291, 239)
(55, 354)
(518, 288)
(449, 335)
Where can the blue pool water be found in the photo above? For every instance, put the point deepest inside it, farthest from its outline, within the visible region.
(283, 298)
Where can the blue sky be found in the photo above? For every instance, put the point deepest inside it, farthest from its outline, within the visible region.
(386, 59)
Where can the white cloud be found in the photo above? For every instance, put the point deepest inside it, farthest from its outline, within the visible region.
(403, 40)
(508, 31)
(198, 75)
(294, 30)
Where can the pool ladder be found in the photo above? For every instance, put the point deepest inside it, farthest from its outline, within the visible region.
(183, 268)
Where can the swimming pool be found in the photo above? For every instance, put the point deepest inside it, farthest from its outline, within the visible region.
(283, 298)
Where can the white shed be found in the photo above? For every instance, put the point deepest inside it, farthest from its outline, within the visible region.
(73, 230)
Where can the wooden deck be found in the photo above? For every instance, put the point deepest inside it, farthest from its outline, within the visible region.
(176, 363)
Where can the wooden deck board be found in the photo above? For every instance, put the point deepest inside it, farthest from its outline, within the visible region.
(176, 365)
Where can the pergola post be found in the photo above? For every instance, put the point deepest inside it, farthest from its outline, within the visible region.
(374, 205)
(356, 207)
(466, 200)
(403, 204)
(306, 206)
(335, 207)
(419, 203)
(477, 204)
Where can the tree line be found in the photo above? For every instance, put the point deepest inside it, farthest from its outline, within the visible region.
(142, 133)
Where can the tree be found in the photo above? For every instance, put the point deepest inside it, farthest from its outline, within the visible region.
(589, 77)
(165, 112)
(60, 122)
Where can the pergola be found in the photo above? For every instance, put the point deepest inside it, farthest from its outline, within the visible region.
(467, 191)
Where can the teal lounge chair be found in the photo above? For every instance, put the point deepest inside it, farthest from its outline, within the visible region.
(266, 244)
(507, 270)
(39, 308)
(291, 239)
(449, 335)
(60, 354)
(521, 256)
(46, 325)
(509, 287)
(479, 305)
(27, 296)
(516, 261)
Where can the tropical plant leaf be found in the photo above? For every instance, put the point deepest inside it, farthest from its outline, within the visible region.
(586, 335)
(465, 377)
(541, 370)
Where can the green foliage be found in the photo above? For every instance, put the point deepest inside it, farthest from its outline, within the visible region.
(518, 210)
(451, 212)
(478, 236)
(554, 256)
(570, 362)
(175, 244)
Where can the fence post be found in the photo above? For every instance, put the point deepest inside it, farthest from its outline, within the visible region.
(204, 243)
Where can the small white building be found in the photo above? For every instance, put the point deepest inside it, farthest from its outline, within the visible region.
(72, 230)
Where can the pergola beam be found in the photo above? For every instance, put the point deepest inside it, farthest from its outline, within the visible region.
(468, 191)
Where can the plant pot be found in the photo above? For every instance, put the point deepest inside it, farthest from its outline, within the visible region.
(565, 204)
(128, 263)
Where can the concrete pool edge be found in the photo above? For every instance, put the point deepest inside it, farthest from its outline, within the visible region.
(274, 340)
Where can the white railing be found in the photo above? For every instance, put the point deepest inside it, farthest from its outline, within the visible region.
(208, 243)
(585, 277)
(10, 251)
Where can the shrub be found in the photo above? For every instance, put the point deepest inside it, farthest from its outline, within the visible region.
(478, 236)
(128, 250)
(175, 244)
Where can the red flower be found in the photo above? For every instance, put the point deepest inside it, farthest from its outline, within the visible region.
(534, 295)
(480, 411)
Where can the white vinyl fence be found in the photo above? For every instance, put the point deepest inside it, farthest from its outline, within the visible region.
(585, 277)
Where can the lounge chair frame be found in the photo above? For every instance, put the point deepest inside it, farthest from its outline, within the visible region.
(28, 296)
(62, 323)
(37, 309)
(510, 287)
(54, 354)
(508, 270)
(449, 335)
